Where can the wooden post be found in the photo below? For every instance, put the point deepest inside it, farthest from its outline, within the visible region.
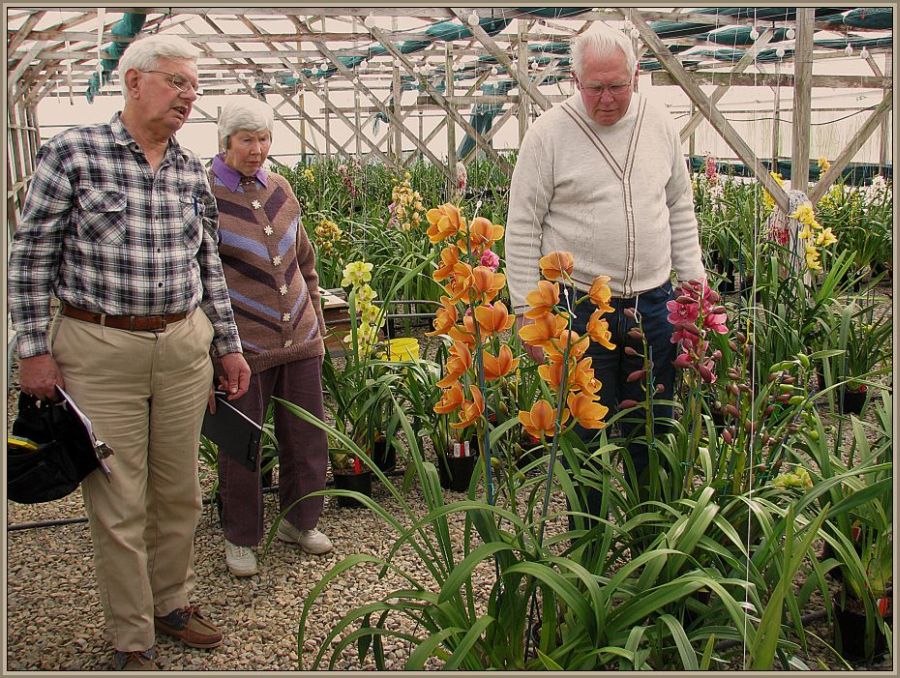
(885, 151)
(692, 150)
(398, 117)
(776, 129)
(522, 67)
(357, 130)
(451, 126)
(802, 99)
(327, 120)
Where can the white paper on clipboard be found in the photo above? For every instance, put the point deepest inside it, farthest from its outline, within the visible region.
(101, 449)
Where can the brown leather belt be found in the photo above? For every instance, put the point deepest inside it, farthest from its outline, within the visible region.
(132, 323)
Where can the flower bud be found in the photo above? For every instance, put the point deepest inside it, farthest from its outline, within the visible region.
(634, 376)
(630, 351)
(635, 333)
(628, 312)
(627, 404)
(682, 361)
(716, 355)
(727, 436)
(732, 410)
(660, 388)
(769, 409)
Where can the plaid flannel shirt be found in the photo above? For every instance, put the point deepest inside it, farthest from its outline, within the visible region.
(104, 233)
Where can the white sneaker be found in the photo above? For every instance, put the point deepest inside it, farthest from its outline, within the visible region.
(312, 541)
(241, 560)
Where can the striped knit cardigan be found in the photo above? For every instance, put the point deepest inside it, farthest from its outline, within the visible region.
(270, 267)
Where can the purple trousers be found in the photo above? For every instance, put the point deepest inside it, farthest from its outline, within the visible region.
(302, 453)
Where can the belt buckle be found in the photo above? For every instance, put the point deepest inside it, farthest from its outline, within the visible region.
(161, 328)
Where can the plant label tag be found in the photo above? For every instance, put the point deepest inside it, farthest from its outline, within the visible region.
(461, 449)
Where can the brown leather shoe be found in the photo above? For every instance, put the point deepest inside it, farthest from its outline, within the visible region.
(191, 627)
(135, 661)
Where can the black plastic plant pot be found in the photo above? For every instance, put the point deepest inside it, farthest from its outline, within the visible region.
(850, 632)
(384, 455)
(853, 401)
(455, 473)
(356, 482)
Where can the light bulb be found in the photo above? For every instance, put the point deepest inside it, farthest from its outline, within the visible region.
(780, 52)
(534, 65)
(627, 26)
(473, 19)
(864, 53)
(754, 34)
(363, 66)
(369, 21)
(790, 34)
(493, 70)
(848, 50)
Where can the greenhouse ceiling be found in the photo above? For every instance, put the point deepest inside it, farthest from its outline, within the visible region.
(286, 50)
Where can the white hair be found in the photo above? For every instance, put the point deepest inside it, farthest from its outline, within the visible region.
(603, 40)
(244, 113)
(144, 54)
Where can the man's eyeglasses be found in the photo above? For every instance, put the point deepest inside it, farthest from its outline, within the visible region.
(179, 82)
(617, 89)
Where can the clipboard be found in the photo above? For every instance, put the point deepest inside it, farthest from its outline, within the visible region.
(234, 432)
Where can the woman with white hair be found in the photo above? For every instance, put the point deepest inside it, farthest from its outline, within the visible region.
(270, 268)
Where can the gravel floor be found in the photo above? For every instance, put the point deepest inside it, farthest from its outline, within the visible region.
(55, 621)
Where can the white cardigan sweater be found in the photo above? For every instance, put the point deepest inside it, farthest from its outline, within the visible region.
(618, 197)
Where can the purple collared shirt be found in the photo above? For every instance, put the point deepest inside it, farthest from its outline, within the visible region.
(231, 178)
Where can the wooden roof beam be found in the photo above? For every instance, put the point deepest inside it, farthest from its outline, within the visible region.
(441, 99)
(347, 73)
(720, 91)
(517, 74)
(716, 119)
(863, 133)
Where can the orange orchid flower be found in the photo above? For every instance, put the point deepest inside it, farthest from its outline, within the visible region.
(500, 365)
(551, 373)
(542, 330)
(487, 283)
(449, 259)
(464, 333)
(584, 379)
(600, 294)
(587, 410)
(444, 318)
(483, 233)
(470, 409)
(458, 362)
(461, 280)
(451, 399)
(445, 222)
(493, 318)
(577, 346)
(541, 419)
(598, 330)
(543, 299)
(557, 265)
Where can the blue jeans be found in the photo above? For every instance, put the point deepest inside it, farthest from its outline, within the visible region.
(612, 367)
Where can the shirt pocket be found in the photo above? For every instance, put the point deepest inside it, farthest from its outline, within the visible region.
(193, 209)
(101, 216)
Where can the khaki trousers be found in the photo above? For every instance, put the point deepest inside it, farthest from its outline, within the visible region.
(145, 394)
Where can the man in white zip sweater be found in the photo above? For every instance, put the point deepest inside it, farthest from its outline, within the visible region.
(602, 176)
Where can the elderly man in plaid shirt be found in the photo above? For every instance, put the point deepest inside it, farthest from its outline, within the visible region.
(120, 225)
